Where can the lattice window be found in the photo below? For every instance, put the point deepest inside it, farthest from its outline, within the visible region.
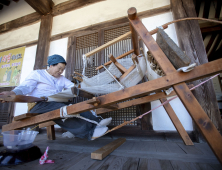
(87, 41)
(119, 48)
(113, 33)
(85, 44)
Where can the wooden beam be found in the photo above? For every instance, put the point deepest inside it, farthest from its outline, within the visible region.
(43, 7)
(24, 116)
(218, 9)
(43, 42)
(5, 2)
(20, 22)
(205, 125)
(72, 5)
(101, 153)
(194, 48)
(135, 102)
(134, 36)
(215, 46)
(139, 90)
(127, 72)
(206, 9)
(119, 57)
(28, 44)
(210, 26)
(211, 29)
(94, 101)
(176, 122)
(139, 101)
(70, 57)
(118, 65)
(176, 56)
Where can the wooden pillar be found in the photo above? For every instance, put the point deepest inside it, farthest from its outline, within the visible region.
(51, 132)
(134, 35)
(71, 57)
(43, 42)
(101, 54)
(146, 121)
(190, 41)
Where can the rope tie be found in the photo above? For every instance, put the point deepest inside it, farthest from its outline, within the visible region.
(84, 58)
(64, 114)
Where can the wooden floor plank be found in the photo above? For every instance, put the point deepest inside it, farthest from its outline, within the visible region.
(58, 156)
(102, 164)
(161, 147)
(179, 165)
(69, 162)
(131, 164)
(143, 164)
(203, 148)
(189, 149)
(154, 164)
(124, 163)
(165, 165)
(148, 146)
(83, 164)
(215, 166)
(127, 146)
(205, 166)
(174, 148)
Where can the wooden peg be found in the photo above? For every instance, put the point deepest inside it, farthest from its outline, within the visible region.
(94, 101)
(132, 13)
(135, 59)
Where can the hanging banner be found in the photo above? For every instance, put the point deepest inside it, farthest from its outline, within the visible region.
(11, 66)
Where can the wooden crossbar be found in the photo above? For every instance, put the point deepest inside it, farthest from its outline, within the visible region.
(135, 102)
(100, 48)
(119, 57)
(118, 65)
(139, 90)
(198, 115)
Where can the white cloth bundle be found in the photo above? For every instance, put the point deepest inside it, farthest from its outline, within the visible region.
(103, 83)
